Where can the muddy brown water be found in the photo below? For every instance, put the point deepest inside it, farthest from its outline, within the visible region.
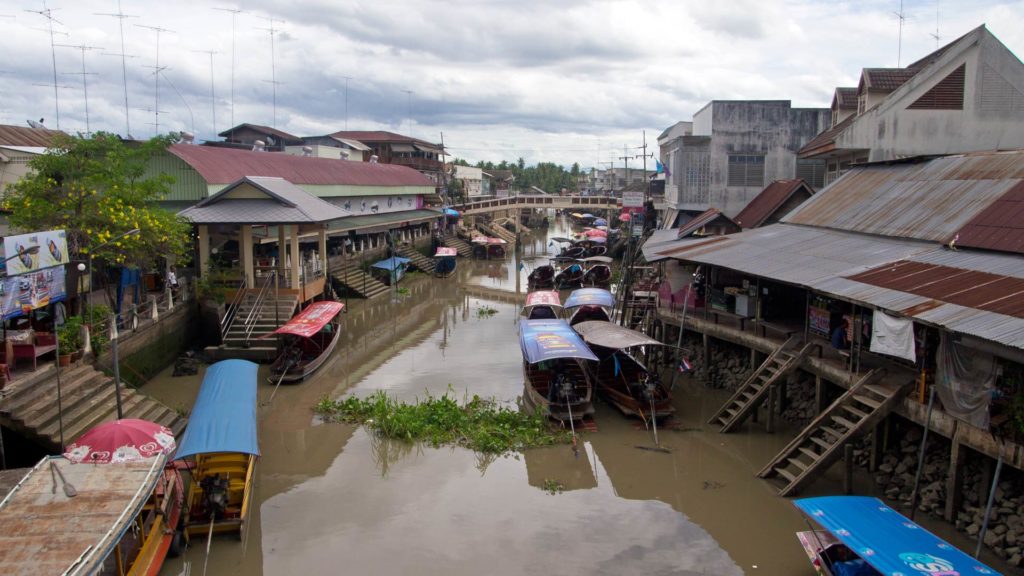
(334, 499)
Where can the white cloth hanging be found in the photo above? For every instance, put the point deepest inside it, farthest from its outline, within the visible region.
(893, 336)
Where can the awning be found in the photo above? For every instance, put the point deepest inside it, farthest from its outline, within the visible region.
(496, 241)
(378, 222)
(354, 144)
(601, 259)
(311, 320)
(610, 335)
(886, 539)
(592, 296)
(446, 252)
(223, 418)
(402, 148)
(392, 263)
(427, 149)
(542, 340)
(543, 298)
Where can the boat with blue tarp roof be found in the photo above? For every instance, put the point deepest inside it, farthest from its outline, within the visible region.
(589, 304)
(555, 381)
(390, 270)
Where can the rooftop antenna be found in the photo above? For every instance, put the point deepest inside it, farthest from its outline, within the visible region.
(151, 111)
(156, 74)
(48, 14)
(273, 68)
(936, 35)
(234, 12)
(347, 78)
(409, 94)
(120, 15)
(85, 84)
(185, 102)
(901, 16)
(213, 96)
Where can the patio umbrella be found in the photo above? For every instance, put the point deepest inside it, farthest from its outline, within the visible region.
(451, 212)
(600, 222)
(126, 440)
(588, 215)
(625, 217)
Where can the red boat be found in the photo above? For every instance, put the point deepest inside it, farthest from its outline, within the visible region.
(310, 336)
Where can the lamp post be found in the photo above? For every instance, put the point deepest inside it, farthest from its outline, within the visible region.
(113, 321)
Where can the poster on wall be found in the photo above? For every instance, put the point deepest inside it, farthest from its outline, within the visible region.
(53, 251)
(366, 205)
(24, 293)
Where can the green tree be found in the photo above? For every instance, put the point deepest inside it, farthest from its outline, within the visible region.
(97, 189)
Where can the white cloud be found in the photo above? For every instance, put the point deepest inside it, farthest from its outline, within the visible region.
(545, 81)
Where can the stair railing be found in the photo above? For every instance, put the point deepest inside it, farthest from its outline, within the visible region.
(257, 308)
(232, 309)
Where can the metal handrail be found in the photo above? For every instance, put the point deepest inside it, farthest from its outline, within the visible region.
(229, 314)
(257, 308)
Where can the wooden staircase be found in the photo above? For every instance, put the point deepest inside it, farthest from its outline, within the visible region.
(498, 232)
(755, 389)
(421, 262)
(87, 399)
(815, 449)
(347, 271)
(460, 245)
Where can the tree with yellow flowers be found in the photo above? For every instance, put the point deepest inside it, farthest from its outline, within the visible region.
(96, 189)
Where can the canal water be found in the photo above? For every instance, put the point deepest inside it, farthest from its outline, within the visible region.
(333, 498)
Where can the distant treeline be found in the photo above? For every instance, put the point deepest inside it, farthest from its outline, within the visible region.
(547, 176)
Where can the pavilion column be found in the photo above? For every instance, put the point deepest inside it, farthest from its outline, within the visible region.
(248, 262)
(282, 251)
(322, 248)
(293, 244)
(204, 249)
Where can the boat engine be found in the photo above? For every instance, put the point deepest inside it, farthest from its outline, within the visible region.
(215, 495)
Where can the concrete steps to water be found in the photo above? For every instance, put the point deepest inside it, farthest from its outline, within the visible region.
(460, 245)
(240, 342)
(87, 399)
(497, 232)
(421, 262)
(350, 275)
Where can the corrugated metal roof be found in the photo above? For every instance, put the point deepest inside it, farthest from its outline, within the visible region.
(929, 200)
(226, 165)
(998, 227)
(365, 223)
(18, 136)
(285, 203)
(706, 218)
(768, 201)
(263, 129)
(658, 240)
(381, 137)
(354, 144)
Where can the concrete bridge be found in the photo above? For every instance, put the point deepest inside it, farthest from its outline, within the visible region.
(582, 203)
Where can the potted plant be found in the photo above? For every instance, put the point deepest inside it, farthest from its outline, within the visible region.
(69, 339)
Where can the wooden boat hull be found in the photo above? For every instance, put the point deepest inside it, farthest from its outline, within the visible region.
(624, 387)
(569, 279)
(495, 251)
(542, 277)
(444, 267)
(239, 470)
(306, 366)
(168, 501)
(535, 389)
(599, 276)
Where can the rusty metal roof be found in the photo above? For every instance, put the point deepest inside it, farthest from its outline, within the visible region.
(927, 200)
(43, 531)
(706, 218)
(768, 201)
(227, 165)
(998, 227)
(18, 136)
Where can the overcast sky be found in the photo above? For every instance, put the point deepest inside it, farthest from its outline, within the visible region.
(548, 80)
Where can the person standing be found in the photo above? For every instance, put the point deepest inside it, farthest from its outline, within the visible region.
(172, 280)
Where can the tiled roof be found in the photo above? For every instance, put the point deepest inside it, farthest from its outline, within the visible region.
(821, 142)
(886, 79)
(845, 98)
(285, 203)
(264, 129)
(768, 201)
(226, 165)
(382, 137)
(18, 136)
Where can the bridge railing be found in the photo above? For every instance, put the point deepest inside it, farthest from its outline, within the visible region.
(529, 201)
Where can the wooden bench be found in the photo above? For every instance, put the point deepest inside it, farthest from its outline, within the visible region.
(42, 343)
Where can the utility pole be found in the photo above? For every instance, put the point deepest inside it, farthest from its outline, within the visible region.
(347, 78)
(625, 164)
(645, 156)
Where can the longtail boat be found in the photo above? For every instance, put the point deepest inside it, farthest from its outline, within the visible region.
(110, 518)
(556, 383)
(309, 338)
(220, 450)
(542, 305)
(444, 261)
(541, 278)
(496, 247)
(598, 272)
(589, 304)
(571, 276)
(861, 535)
(620, 377)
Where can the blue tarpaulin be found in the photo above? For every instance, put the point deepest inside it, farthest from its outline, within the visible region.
(392, 263)
(593, 296)
(886, 539)
(223, 418)
(451, 212)
(549, 339)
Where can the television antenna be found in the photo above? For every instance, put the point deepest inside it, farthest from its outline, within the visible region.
(156, 73)
(120, 15)
(213, 96)
(936, 35)
(85, 83)
(409, 94)
(47, 13)
(234, 12)
(178, 92)
(347, 78)
(901, 16)
(273, 68)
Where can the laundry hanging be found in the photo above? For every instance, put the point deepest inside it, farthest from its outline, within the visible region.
(893, 336)
(965, 379)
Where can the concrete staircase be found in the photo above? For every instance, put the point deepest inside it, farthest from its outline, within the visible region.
(347, 272)
(269, 318)
(498, 232)
(87, 399)
(460, 245)
(420, 261)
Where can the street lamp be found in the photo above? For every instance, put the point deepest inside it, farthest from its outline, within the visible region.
(113, 321)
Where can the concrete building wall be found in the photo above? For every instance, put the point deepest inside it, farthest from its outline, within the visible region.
(670, 153)
(472, 180)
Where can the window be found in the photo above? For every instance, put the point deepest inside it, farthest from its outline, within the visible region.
(746, 170)
(812, 172)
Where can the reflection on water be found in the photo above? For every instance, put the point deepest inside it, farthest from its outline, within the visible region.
(331, 498)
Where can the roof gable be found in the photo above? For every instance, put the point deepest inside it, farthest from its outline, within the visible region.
(765, 204)
(262, 200)
(261, 129)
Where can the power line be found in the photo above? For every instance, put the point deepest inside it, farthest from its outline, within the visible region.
(120, 15)
(185, 102)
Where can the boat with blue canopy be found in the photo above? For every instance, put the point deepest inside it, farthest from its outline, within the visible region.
(555, 381)
(220, 448)
(390, 270)
(861, 536)
(589, 304)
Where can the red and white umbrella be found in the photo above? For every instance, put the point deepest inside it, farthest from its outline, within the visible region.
(592, 232)
(126, 440)
(625, 217)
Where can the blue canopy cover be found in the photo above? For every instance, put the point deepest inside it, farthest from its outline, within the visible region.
(549, 339)
(392, 263)
(223, 418)
(886, 539)
(451, 212)
(595, 296)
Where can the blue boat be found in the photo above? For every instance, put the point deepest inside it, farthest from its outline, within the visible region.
(861, 536)
(220, 450)
(555, 382)
(589, 304)
(391, 270)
